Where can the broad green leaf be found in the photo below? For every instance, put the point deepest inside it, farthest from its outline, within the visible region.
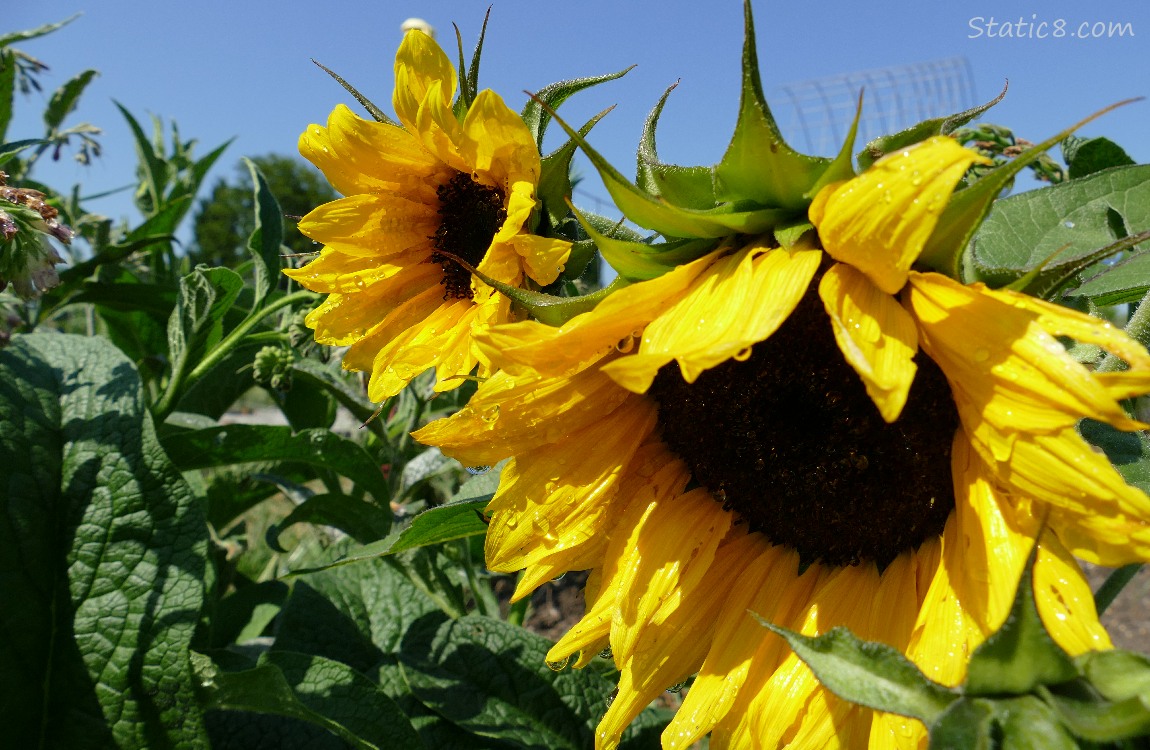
(966, 725)
(869, 673)
(266, 241)
(7, 40)
(1128, 451)
(102, 554)
(336, 382)
(362, 521)
(1117, 675)
(244, 613)
(1020, 655)
(490, 678)
(307, 405)
(243, 443)
(539, 108)
(1127, 280)
(1103, 722)
(1063, 222)
(317, 690)
(65, 98)
(221, 386)
(1089, 155)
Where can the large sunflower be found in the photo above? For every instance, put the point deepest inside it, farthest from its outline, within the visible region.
(414, 194)
(844, 441)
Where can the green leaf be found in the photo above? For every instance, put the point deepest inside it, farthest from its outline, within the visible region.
(22, 36)
(1128, 451)
(239, 443)
(1127, 280)
(489, 677)
(265, 244)
(554, 189)
(197, 323)
(871, 674)
(244, 613)
(965, 725)
(362, 521)
(1086, 156)
(1117, 675)
(8, 151)
(154, 170)
(883, 145)
(1064, 222)
(1103, 722)
(690, 187)
(102, 554)
(639, 261)
(1020, 655)
(65, 98)
(343, 390)
(7, 91)
(307, 405)
(317, 690)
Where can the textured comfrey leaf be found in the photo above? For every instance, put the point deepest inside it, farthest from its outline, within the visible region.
(1126, 281)
(197, 322)
(1117, 675)
(362, 521)
(1089, 155)
(868, 673)
(1020, 655)
(266, 241)
(102, 556)
(1062, 222)
(340, 388)
(246, 443)
(1027, 722)
(489, 677)
(320, 691)
(966, 725)
(65, 98)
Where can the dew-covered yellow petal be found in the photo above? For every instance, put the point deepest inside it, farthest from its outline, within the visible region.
(879, 221)
(424, 90)
(498, 145)
(365, 156)
(343, 319)
(512, 414)
(999, 353)
(438, 335)
(875, 334)
(588, 337)
(737, 302)
(333, 271)
(552, 499)
(370, 225)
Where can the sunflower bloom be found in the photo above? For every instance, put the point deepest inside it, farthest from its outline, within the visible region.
(819, 434)
(415, 196)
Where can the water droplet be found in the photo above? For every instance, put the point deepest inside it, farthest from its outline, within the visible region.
(477, 470)
(606, 653)
(558, 577)
(559, 666)
(626, 345)
(360, 283)
(609, 701)
(678, 687)
(887, 197)
(743, 354)
(490, 414)
(1068, 224)
(981, 354)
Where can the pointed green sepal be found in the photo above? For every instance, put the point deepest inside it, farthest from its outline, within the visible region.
(538, 110)
(886, 144)
(791, 235)
(469, 81)
(1020, 655)
(546, 308)
(868, 673)
(639, 261)
(842, 167)
(967, 208)
(759, 165)
(689, 187)
(555, 175)
(1117, 675)
(376, 113)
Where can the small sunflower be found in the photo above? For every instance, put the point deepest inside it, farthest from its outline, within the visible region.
(417, 194)
(818, 434)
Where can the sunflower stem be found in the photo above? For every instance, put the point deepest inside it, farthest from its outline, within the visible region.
(1113, 585)
(1138, 328)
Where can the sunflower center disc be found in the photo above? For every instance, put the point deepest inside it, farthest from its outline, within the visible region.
(790, 442)
(469, 216)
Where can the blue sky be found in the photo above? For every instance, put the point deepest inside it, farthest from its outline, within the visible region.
(242, 69)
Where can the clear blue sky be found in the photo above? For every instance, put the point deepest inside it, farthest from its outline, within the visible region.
(242, 69)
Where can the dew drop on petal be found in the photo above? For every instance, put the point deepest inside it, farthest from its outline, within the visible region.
(477, 470)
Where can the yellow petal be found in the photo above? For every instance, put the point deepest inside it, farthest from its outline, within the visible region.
(553, 499)
(534, 346)
(343, 319)
(737, 302)
(437, 335)
(334, 271)
(879, 221)
(875, 334)
(497, 144)
(365, 156)
(424, 90)
(999, 352)
(513, 414)
(376, 226)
